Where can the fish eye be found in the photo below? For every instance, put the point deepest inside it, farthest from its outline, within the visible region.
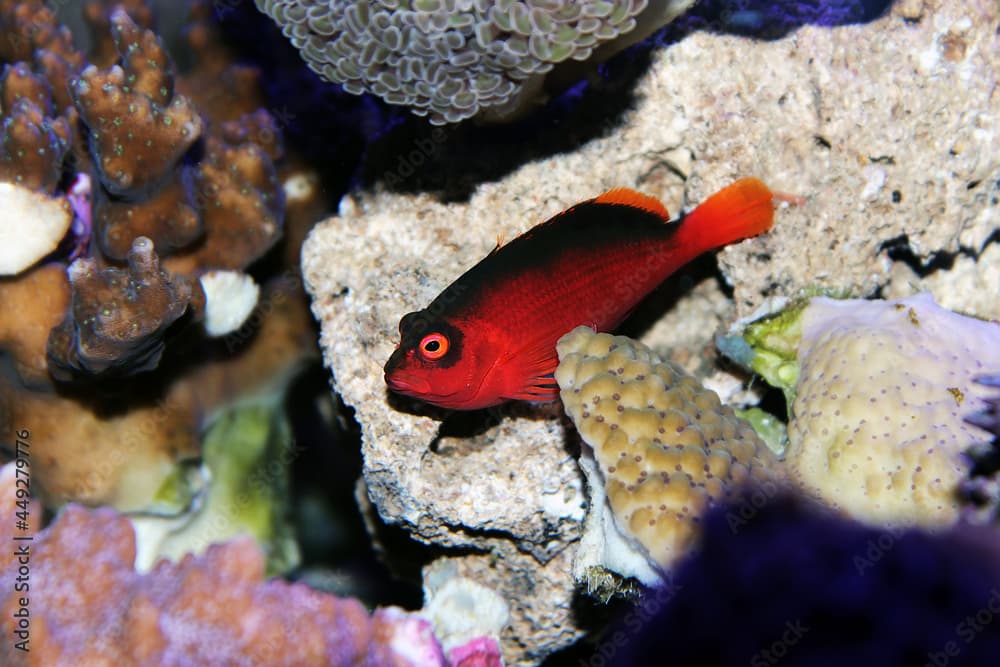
(434, 346)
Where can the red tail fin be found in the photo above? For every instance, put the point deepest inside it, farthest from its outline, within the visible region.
(736, 212)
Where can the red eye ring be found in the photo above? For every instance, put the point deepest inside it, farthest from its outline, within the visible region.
(434, 346)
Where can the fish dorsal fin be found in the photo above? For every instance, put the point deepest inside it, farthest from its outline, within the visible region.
(635, 199)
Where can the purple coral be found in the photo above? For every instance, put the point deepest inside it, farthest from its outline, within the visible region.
(815, 590)
(89, 606)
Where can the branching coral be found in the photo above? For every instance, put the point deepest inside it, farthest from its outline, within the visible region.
(174, 192)
(138, 128)
(878, 391)
(32, 143)
(95, 12)
(235, 184)
(666, 449)
(126, 450)
(118, 318)
(30, 25)
(449, 59)
(33, 147)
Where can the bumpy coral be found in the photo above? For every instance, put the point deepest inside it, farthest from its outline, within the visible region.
(449, 59)
(796, 588)
(877, 407)
(138, 127)
(118, 318)
(89, 606)
(666, 448)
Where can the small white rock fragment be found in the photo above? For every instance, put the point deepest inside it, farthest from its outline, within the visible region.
(460, 608)
(31, 226)
(300, 186)
(875, 178)
(230, 297)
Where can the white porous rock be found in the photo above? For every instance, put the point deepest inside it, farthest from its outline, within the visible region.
(230, 297)
(31, 226)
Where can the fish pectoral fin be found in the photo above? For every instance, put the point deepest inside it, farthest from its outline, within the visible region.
(535, 366)
(543, 393)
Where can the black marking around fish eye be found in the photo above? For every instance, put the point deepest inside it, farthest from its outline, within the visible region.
(409, 322)
(452, 335)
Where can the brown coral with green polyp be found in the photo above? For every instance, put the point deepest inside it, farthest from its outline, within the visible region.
(19, 82)
(30, 25)
(129, 124)
(138, 129)
(118, 318)
(666, 446)
(234, 185)
(32, 147)
(166, 217)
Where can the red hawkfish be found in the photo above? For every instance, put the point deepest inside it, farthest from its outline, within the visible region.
(491, 335)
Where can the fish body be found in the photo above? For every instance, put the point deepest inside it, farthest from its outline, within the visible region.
(491, 335)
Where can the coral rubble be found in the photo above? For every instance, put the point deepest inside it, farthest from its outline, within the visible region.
(663, 448)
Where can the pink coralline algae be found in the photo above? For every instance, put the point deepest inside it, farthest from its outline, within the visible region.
(89, 607)
(86, 605)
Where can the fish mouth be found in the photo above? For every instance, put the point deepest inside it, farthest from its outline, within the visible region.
(407, 384)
